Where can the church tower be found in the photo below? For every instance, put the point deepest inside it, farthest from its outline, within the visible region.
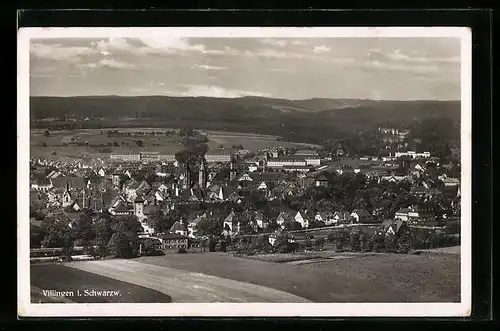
(186, 178)
(202, 177)
(232, 172)
(188, 175)
(139, 208)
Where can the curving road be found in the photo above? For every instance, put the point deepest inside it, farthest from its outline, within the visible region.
(184, 286)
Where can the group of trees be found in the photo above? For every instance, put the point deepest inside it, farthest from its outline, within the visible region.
(191, 153)
(250, 245)
(162, 222)
(186, 131)
(356, 240)
(101, 234)
(238, 147)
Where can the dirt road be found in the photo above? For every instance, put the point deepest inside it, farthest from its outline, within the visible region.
(184, 286)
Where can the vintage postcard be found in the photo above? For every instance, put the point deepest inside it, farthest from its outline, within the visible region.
(244, 172)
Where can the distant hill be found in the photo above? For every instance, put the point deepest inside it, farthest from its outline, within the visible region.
(246, 114)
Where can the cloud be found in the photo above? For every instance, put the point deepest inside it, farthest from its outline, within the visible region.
(274, 54)
(208, 67)
(397, 55)
(161, 44)
(151, 44)
(279, 70)
(59, 52)
(216, 92)
(275, 42)
(106, 47)
(321, 49)
(110, 63)
(107, 63)
(227, 51)
(410, 68)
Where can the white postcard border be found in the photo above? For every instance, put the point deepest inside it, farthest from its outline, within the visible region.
(27, 309)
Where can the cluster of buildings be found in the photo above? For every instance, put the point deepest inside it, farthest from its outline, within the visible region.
(219, 179)
(393, 135)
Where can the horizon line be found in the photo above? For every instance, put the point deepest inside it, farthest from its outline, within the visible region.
(240, 97)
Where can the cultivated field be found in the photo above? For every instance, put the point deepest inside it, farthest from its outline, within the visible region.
(72, 143)
(252, 142)
(99, 145)
(61, 278)
(428, 277)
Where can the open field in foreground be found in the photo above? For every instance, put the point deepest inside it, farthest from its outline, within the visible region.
(61, 278)
(181, 285)
(220, 277)
(431, 277)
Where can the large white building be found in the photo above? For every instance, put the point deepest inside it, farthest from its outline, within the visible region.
(142, 156)
(283, 161)
(413, 154)
(313, 160)
(125, 156)
(306, 152)
(219, 155)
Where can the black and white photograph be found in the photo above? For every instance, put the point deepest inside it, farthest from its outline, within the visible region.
(244, 172)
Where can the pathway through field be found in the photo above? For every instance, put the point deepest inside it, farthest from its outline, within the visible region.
(184, 286)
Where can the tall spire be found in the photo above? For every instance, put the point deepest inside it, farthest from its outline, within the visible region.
(232, 173)
(202, 177)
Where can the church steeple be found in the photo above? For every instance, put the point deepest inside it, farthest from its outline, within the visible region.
(202, 177)
(232, 173)
(187, 177)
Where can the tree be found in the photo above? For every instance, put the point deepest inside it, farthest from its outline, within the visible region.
(139, 143)
(319, 243)
(37, 234)
(102, 234)
(365, 243)
(377, 242)
(354, 241)
(331, 237)
(119, 246)
(163, 222)
(341, 239)
(404, 243)
(83, 229)
(46, 133)
(293, 225)
(130, 226)
(57, 234)
(272, 225)
(283, 244)
(316, 224)
(126, 224)
(185, 155)
(390, 243)
(210, 226)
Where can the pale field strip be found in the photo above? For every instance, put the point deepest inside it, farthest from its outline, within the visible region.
(184, 286)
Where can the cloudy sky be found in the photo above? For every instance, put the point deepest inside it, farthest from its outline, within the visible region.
(365, 68)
